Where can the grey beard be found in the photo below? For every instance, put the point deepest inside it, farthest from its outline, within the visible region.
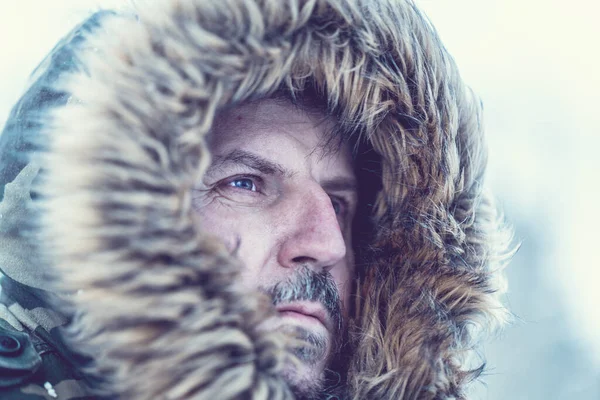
(314, 351)
(308, 285)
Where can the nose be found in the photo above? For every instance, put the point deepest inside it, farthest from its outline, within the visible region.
(314, 237)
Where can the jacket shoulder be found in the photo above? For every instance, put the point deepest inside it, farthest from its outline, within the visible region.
(31, 369)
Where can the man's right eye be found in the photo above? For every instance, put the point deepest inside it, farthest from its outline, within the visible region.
(243, 183)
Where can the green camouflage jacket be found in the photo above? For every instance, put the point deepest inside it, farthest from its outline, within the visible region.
(34, 362)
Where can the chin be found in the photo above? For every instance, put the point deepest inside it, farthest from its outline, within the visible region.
(305, 375)
(310, 355)
(305, 380)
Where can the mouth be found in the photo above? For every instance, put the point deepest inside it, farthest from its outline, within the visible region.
(305, 312)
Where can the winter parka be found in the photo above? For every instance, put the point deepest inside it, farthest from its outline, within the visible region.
(105, 277)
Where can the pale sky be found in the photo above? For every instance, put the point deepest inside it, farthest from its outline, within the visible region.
(534, 63)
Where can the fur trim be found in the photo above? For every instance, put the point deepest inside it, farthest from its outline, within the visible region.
(158, 308)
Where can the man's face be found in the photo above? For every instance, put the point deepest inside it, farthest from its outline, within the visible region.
(274, 191)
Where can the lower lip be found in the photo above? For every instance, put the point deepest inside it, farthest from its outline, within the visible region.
(299, 317)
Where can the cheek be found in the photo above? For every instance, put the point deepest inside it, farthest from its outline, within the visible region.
(236, 229)
(213, 220)
(343, 277)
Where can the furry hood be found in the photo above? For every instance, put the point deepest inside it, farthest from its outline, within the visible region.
(125, 143)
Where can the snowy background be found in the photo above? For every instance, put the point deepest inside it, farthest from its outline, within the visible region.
(535, 64)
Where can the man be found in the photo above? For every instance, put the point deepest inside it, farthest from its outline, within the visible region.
(247, 200)
(276, 193)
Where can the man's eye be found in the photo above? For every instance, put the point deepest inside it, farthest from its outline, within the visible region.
(339, 205)
(243, 183)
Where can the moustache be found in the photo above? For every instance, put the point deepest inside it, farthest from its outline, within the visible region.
(308, 285)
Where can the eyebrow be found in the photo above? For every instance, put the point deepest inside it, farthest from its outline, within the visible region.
(340, 184)
(251, 160)
(267, 167)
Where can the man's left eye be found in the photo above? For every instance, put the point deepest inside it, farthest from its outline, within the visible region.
(243, 183)
(339, 205)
